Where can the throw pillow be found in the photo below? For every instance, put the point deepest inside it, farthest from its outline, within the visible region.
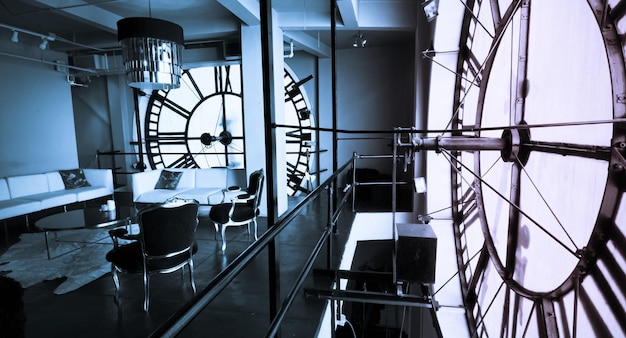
(74, 178)
(168, 180)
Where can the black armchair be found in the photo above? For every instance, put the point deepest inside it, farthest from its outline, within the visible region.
(241, 210)
(165, 243)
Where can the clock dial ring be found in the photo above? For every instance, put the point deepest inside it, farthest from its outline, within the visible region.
(300, 139)
(470, 207)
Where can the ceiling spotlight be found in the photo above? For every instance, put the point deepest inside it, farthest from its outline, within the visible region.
(359, 41)
(14, 37)
(44, 44)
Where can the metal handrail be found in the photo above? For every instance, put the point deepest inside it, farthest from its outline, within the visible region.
(192, 308)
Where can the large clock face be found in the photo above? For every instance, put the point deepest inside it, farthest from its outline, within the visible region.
(539, 226)
(200, 124)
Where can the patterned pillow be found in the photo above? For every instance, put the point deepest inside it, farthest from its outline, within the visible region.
(168, 180)
(74, 178)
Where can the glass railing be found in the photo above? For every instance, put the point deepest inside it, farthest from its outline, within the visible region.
(291, 254)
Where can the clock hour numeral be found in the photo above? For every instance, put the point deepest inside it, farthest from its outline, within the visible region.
(185, 161)
(475, 278)
(222, 80)
(474, 67)
(468, 212)
(298, 136)
(291, 94)
(595, 318)
(304, 114)
(294, 181)
(161, 102)
(295, 168)
(170, 138)
(292, 88)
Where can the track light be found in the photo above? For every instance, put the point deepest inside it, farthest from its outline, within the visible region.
(431, 9)
(359, 41)
(14, 37)
(44, 44)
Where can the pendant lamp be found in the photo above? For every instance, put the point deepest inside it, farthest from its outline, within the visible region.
(152, 52)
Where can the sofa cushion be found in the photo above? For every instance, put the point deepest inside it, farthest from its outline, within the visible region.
(55, 182)
(26, 185)
(100, 178)
(74, 178)
(53, 199)
(168, 180)
(90, 193)
(4, 190)
(18, 207)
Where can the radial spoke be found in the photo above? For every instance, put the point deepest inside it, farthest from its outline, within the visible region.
(235, 148)
(203, 152)
(509, 202)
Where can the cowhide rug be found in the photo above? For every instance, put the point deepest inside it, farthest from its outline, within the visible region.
(78, 255)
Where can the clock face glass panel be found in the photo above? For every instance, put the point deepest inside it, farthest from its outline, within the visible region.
(200, 124)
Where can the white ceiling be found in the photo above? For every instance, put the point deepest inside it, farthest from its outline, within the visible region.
(305, 22)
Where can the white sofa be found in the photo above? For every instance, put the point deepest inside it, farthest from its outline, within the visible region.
(25, 194)
(204, 185)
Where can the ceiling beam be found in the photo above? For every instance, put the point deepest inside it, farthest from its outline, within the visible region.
(246, 10)
(307, 43)
(348, 9)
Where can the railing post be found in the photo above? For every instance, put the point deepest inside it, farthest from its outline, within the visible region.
(354, 157)
(330, 224)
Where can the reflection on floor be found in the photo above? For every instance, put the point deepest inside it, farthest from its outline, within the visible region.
(241, 310)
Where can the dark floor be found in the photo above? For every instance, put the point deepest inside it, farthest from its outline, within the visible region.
(240, 310)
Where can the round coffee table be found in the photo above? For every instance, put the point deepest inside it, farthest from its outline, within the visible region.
(88, 218)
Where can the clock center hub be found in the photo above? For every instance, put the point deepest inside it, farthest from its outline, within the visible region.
(224, 138)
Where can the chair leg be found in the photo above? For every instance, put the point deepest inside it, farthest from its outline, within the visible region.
(116, 282)
(191, 277)
(255, 229)
(217, 229)
(146, 291)
(223, 238)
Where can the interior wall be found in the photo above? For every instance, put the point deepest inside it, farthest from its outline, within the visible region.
(93, 123)
(36, 116)
(104, 119)
(375, 91)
